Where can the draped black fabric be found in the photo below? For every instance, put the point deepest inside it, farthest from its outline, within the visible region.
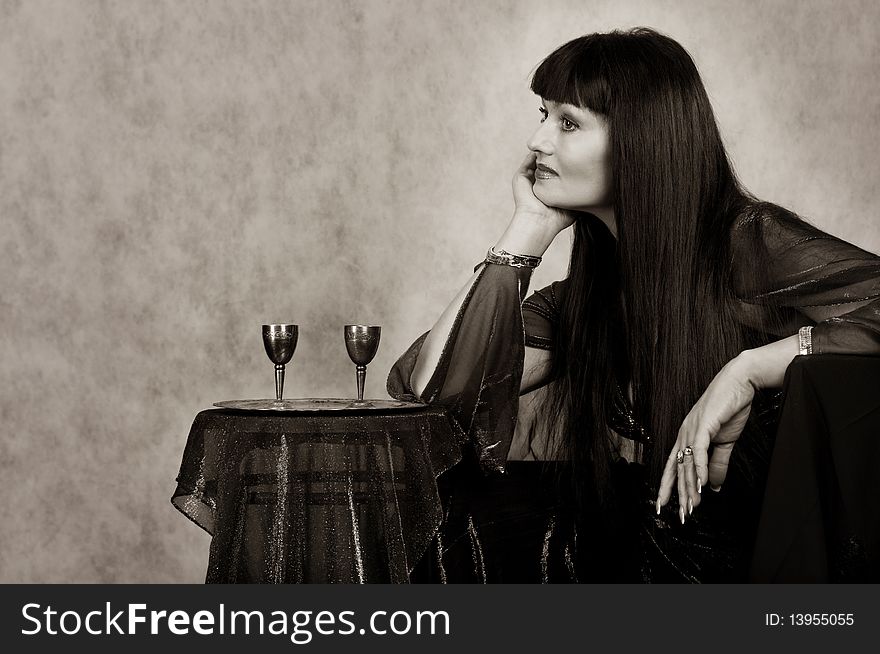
(820, 520)
(316, 497)
(782, 266)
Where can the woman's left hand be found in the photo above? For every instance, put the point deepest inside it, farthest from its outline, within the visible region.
(718, 417)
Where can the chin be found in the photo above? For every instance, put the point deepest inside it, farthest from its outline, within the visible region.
(550, 199)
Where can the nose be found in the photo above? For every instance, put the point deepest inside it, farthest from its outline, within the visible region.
(541, 140)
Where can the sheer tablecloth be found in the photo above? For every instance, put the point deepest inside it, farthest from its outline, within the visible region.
(316, 497)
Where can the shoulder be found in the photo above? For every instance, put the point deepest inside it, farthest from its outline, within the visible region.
(776, 253)
(768, 226)
(754, 232)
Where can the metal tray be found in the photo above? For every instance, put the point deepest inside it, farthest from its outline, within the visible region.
(315, 404)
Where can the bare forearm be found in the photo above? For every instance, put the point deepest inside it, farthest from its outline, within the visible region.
(527, 235)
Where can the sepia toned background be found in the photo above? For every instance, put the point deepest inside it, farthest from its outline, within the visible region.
(173, 174)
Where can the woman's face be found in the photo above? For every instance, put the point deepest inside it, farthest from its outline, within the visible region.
(573, 166)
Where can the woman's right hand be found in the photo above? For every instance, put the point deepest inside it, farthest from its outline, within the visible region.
(528, 203)
(534, 224)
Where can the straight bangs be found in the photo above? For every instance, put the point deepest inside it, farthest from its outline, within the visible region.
(575, 74)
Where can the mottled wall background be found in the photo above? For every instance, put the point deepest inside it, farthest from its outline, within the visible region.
(173, 174)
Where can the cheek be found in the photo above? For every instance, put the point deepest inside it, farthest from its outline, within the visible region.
(606, 183)
(563, 194)
(592, 183)
(597, 176)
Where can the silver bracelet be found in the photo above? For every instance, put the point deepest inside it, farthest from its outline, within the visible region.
(504, 258)
(805, 340)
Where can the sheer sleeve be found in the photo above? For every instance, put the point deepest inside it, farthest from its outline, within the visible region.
(784, 264)
(480, 369)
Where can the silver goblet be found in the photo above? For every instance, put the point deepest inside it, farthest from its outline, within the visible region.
(280, 343)
(362, 341)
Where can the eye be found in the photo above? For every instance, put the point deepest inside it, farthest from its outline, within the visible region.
(567, 125)
(543, 113)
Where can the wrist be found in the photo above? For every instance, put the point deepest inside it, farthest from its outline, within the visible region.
(747, 366)
(527, 234)
(765, 366)
(504, 258)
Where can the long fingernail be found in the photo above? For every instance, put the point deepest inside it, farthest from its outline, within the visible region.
(690, 506)
(658, 506)
(681, 514)
(699, 486)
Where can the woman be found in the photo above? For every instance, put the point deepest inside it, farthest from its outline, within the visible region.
(657, 359)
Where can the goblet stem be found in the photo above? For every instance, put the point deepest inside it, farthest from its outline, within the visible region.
(279, 381)
(362, 378)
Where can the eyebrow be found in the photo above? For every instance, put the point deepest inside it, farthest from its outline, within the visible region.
(581, 115)
(564, 106)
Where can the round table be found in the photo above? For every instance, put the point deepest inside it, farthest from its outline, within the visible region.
(316, 497)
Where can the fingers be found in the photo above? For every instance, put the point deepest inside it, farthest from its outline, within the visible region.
(681, 472)
(701, 469)
(682, 486)
(690, 480)
(718, 464)
(527, 167)
(686, 469)
(524, 177)
(686, 476)
(666, 481)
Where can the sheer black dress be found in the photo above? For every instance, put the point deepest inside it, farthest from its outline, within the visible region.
(510, 521)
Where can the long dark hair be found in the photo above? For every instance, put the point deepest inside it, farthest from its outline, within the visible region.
(655, 307)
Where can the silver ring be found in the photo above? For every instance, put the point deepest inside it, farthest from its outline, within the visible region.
(688, 451)
(679, 457)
